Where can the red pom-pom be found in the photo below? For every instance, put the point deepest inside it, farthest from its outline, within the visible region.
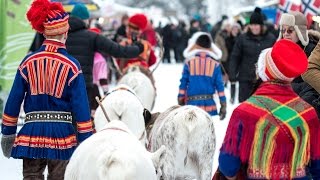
(39, 11)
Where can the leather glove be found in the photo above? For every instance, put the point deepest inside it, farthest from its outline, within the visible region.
(223, 110)
(140, 46)
(7, 142)
(181, 101)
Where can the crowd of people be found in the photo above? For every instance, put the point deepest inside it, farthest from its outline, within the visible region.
(273, 133)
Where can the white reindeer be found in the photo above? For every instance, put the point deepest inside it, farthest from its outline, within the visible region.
(141, 84)
(113, 153)
(189, 136)
(121, 103)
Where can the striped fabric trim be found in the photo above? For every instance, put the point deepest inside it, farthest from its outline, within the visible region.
(46, 142)
(62, 81)
(84, 127)
(9, 120)
(221, 94)
(261, 154)
(73, 77)
(32, 78)
(182, 92)
(52, 81)
(202, 66)
(56, 26)
(53, 43)
(208, 108)
(41, 76)
(272, 70)
(51, 55)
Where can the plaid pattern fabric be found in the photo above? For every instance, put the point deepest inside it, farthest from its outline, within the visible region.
(279, 114)
(275, 133)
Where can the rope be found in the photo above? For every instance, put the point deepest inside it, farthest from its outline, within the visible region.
(103, 110)
(105, 113)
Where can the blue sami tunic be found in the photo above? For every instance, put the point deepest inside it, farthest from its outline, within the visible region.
(202, 76)
(48, 80)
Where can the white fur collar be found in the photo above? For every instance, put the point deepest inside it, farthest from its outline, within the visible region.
(192, 53)
(215, 53)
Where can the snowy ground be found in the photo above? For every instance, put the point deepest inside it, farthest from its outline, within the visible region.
(167, 78)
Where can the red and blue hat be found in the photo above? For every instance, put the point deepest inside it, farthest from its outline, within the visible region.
(284, 61)
(48, 18)
(138, 21)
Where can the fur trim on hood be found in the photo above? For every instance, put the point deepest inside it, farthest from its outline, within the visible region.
(190, 51)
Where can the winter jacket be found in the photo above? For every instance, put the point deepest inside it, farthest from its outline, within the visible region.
(298, 84)
(310, 91)
(245, 54)
(220, 41)
(82, 44)
(312, 75)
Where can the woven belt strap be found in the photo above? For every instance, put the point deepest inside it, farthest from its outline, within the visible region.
(200, 97)
(48, 116)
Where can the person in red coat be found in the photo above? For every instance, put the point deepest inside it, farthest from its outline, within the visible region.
(149, 34)
(137, 23)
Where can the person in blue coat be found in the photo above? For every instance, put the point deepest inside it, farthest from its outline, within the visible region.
(201, 76)
(52, 86)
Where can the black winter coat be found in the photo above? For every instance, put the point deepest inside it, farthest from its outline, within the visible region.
(82, 44)
(245, 55)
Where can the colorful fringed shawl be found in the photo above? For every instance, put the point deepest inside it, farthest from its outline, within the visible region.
(278, 126)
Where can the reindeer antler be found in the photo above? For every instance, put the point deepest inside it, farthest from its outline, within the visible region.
(160, 43)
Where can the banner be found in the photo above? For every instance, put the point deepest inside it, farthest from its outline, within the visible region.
(16, 37)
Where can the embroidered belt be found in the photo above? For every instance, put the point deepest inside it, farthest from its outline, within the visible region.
(48, 116)
(200, 97)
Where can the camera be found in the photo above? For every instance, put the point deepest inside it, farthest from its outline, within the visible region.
(134, 37)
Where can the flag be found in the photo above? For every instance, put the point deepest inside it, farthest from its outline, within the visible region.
(16, 36)
(310, 8)
(286, 6)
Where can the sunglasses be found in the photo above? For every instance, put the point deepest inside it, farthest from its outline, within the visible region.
(289, 31)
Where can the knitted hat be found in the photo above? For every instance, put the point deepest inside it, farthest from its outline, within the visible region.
(299, 22)
(48, 18)
(204, 40)
(256, 17)
(138, 21)
(284, 61)
(80, 11)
